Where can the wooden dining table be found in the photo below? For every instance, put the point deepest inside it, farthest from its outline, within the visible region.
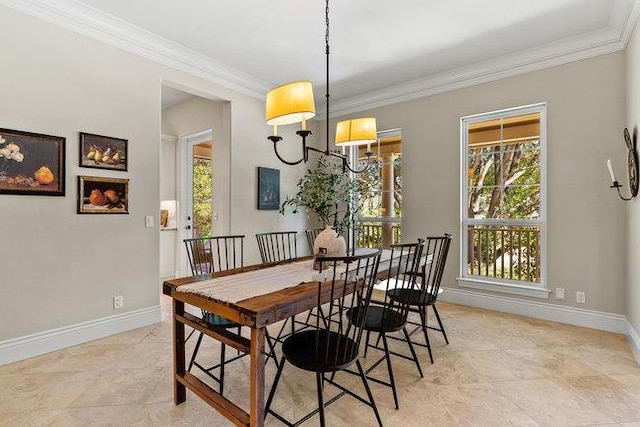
(254, 296)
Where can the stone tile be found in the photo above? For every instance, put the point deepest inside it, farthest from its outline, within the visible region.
(498, 370)
(608, 395)
(549, 404)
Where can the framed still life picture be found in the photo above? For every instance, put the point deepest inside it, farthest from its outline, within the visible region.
(268, 189)
(103, 152)
(97, 195)
(31, 163)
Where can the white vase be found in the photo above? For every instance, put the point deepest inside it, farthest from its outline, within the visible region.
(331, 241)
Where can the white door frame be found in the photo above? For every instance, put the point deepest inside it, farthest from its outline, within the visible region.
(184, 188)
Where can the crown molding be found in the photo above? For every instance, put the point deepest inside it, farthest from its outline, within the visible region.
(93, 23)
(612, 38)
(88, 21)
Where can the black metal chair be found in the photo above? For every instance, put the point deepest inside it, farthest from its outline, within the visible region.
(425, 292)
(386, 315)
(311, 238)
(332, 346)
(277, 246)
(207, 255)
(218, 253)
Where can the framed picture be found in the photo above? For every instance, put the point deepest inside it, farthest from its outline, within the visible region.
(97, 195)
(268, 189)
(103, 152)
(31, 163)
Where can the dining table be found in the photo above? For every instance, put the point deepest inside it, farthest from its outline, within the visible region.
(253, 296)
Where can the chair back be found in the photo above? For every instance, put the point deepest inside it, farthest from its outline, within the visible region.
(311, 238)
(347, 282)
(277, 246)
(435, 255)
(403, 264)
(217, 253)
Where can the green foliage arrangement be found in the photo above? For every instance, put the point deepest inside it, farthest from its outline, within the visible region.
(328, 192)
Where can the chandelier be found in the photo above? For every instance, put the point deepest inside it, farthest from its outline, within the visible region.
(293, 103)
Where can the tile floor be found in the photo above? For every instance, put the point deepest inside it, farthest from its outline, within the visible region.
(498, 369)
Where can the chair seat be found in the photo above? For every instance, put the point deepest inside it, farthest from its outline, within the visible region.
(413, 296)
(379, 319)
(215, 320)
(302, 350)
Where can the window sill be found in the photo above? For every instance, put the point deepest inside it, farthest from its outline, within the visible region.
(505, 288)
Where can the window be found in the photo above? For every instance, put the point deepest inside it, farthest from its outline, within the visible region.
(503, 199)
(380, 204)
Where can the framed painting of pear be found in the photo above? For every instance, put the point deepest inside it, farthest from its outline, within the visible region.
(31, 163)
(103, 152)
(98, 195)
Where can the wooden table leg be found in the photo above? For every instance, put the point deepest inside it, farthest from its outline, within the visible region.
(256, 409)
(179, 368)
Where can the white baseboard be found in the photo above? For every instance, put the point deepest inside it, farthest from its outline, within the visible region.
(540, 310)
(28, 346)
(634, 341)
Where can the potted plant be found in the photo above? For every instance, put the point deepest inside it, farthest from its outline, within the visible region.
(328, 192)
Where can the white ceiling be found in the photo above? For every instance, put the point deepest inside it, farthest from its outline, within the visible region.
(381, 51)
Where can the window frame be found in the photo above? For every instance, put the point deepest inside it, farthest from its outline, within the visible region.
(531, 289)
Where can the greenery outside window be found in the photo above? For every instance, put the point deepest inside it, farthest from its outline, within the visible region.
(202, 196)
(503, 201)
(380, 189)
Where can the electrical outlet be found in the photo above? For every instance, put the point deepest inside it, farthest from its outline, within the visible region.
(148, 221)
(559, 294)
(581, 298)
(118, 301)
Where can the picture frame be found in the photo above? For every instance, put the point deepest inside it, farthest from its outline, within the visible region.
(31, 163)
(103, 152)
(268, 189)
(99, 195)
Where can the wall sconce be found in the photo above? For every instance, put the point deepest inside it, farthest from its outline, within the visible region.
(632, 164)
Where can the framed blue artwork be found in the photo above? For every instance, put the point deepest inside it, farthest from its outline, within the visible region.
(268, 189)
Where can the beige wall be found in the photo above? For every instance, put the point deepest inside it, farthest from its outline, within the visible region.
(59, 268)
(632, 294)
(585, 114)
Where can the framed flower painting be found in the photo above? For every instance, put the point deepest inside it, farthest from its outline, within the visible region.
(31, 163)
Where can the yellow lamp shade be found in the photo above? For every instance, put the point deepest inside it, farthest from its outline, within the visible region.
(290, 103)
(356, 132)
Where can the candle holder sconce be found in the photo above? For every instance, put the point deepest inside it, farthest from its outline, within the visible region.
(632, 166)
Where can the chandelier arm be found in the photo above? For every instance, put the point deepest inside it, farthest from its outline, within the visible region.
(275, 140)
(345, 162)
(364, 168)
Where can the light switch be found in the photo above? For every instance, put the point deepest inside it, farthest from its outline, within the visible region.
(148, 221)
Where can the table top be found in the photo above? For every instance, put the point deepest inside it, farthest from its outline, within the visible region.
(256, 295)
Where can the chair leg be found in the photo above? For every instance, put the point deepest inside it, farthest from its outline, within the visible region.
(195, 351)
(222, 357)
(272, 351)
(387, 356)
(366, 387)
(273, 387)
(413, 351)
(423, 320)
(366, 345)
(319, 385)
(435, 310)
